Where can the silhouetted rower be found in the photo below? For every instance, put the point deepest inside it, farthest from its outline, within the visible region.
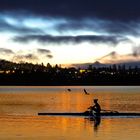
(95, 109)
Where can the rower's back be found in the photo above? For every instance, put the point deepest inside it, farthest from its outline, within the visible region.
(96, 107)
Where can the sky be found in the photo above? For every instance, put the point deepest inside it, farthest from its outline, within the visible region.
(70, 32)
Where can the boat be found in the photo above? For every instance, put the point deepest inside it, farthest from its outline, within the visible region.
(86, 113)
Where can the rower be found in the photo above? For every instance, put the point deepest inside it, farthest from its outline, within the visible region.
(95, 109)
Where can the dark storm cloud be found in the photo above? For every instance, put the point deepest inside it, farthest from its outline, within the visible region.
(43, 51)
(4, 26)
(28, 57)
(125, 10)
(136, 51)
(69, 39)
(6, 51)
(118, 17)
(49, 56)
(113, 55)
(114, 17)
(100, 26)
(122, 28)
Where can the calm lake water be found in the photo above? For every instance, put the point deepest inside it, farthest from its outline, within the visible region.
(19, 107)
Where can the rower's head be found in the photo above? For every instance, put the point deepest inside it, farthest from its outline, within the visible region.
(95, 100)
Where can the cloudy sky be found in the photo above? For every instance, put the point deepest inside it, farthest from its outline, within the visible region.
(70, 31)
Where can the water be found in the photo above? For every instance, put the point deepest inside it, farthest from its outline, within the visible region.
(19, 107)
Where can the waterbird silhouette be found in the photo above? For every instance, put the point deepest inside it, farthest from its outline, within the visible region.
(69, 89)
(86, 92)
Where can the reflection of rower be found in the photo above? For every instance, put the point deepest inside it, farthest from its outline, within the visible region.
(97, 121)
(95, 109)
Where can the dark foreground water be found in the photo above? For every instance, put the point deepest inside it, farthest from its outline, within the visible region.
(19, 107)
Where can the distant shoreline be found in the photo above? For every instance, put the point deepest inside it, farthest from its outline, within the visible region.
(26, 74)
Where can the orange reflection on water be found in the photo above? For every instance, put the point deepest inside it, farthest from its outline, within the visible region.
(69, 128)
(73, 102)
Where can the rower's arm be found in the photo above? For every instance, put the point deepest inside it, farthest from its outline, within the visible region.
(91, 107)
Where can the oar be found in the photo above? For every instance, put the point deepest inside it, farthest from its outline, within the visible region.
(110, 111)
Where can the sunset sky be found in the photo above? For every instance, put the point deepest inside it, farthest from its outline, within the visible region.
(70, 31)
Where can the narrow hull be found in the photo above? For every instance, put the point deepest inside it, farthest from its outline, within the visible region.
(88, 114)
